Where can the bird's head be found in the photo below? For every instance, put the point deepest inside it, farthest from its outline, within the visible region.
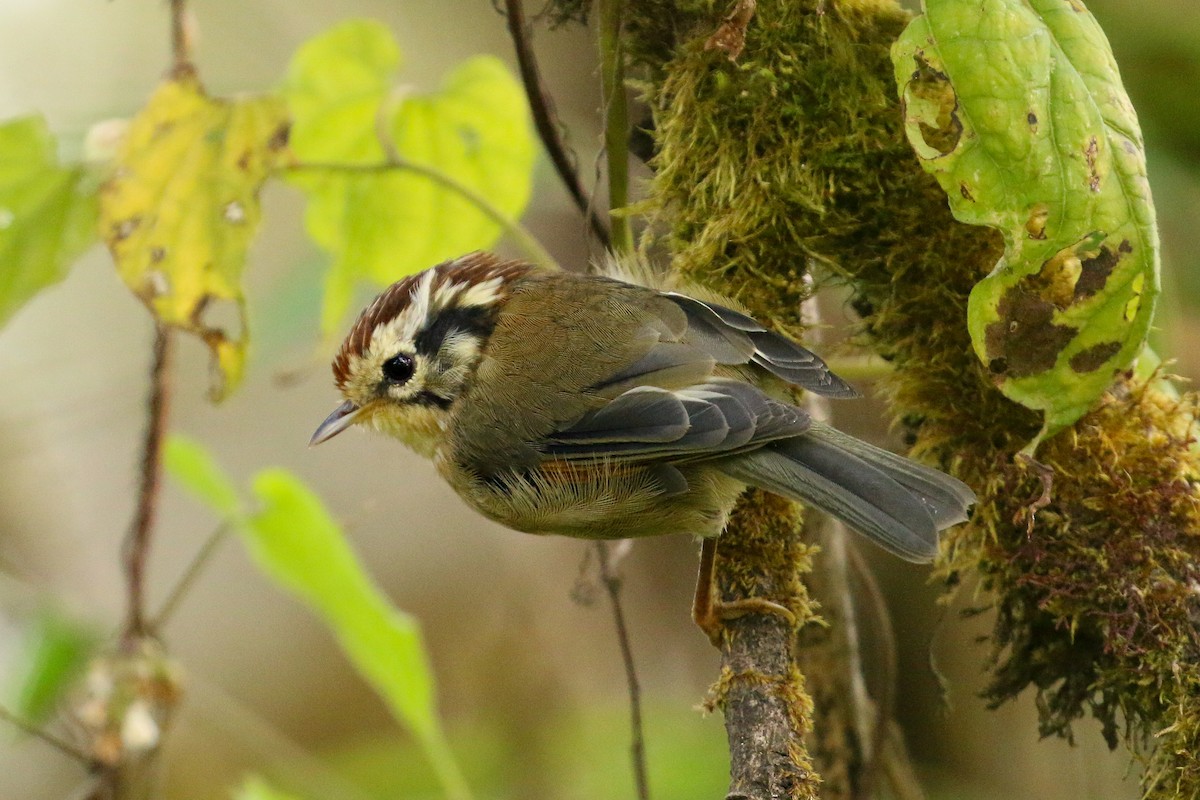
(412, 351)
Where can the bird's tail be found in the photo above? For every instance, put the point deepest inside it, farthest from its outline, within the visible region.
(900, 504)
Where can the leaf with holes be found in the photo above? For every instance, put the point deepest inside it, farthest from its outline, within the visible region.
(47, 213)
(296, 542)
(181, 208)
(1017, 108)
(382, 224)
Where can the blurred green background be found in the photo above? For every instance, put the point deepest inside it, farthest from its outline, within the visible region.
(530, 680)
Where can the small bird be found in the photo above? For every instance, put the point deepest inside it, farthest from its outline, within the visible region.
(581, 405)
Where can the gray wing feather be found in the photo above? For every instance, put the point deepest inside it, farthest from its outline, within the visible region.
(710, 420)
(734, 338)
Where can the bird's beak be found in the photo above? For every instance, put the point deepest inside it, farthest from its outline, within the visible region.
(342, 417)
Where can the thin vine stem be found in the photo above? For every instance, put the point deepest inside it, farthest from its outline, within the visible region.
(612, 585)
(546, 121)
(61, 745)
(519, 233)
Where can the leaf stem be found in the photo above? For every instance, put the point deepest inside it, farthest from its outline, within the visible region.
(519, 233)
(181, 56)
(136, 547)
(616, 122)
(188, 579)
(549, 127)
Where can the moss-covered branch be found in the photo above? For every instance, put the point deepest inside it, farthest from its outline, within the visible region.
(794, 155)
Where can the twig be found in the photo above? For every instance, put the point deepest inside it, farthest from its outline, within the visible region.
(180, 44)
(136, 547)
(527, 241)
(612, 583)
(189, 575)
(549, 128)
(616, 121)
(64, 747)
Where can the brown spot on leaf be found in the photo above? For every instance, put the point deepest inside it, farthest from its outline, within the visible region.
(157, 254)
(279, 138)
(1026, 340)
(1032, 119)
(125, 228)
(1094, 271)
(1092, 154)
(966, 192)
(934, 86)
(1094, 357)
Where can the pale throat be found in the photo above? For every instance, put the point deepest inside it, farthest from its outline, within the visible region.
(421, 428)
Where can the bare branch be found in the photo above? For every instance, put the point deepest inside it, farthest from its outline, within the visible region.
(136, 547)
(549, 127)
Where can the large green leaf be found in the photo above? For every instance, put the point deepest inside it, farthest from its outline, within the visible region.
(382, 224)
(182, 207)
(190, 463)
(1017, 107)
(295, 541)
(47, 213)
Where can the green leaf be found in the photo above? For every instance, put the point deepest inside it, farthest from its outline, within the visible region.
(255, 788)
(1017, 107)
(296, 542)
(382, 224)
(182, 207)
(193, 466)
(47, 213)
(55, 654)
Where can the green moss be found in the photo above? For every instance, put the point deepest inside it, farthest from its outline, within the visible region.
(794, 156)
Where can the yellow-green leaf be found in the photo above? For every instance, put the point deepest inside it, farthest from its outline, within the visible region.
(296, 542)
(182, 206)
(1017, 107)
(47, 213)
(255, 788)
(192, 465)
(382, 224)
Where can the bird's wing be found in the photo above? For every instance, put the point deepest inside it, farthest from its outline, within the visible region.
(731, 337)
(713, 419)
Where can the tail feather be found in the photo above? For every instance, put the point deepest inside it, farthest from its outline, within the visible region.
(896, 502)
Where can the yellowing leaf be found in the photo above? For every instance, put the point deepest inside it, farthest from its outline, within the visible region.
(1017, 107)
(381, 223)
(296, 542)
(182, 206)
(47, 215)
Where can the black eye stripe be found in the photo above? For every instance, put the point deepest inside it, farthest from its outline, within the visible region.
(475, 320)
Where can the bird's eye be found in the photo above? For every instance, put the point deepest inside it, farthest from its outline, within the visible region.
(398, 368)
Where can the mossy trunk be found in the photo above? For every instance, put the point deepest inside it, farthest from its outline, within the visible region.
(792, 156)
